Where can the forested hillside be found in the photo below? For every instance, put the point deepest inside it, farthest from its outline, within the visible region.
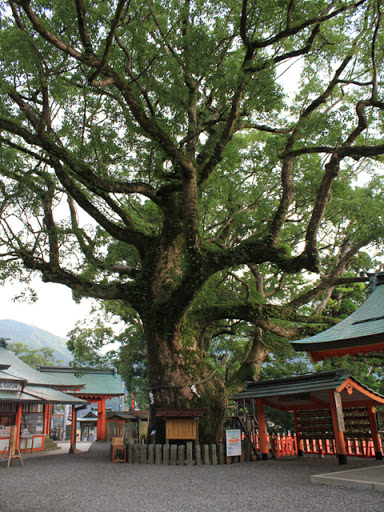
(35, 338)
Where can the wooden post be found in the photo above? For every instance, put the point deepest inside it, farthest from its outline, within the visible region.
(18, 425)
(338, 425)
(262, 429)
(299, 441)
(47, 418)
(72, 448)
(101, 421)
(375, 432)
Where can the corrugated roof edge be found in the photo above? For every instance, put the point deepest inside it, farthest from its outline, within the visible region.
(335, 378)
(299, 378)
(80, 370)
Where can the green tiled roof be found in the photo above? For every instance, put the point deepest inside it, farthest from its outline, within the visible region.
(18, 396)
(365, 326)
(293, 385)
(38, 395)
(34, 386)
(311, 388)
(52, 395)
(102, 382)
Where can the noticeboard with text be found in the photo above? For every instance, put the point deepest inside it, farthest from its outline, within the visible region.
(233, 439)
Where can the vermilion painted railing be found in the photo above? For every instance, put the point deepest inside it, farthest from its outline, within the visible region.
(280, 445)
(355, 447)
(285, 445)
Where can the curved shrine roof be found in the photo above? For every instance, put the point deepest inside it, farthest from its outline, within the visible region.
(18, 369)
(311, 391)
(21, 383)
(89, 381)
(362, 331)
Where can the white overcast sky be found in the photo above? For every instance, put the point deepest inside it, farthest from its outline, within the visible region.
(55, 311)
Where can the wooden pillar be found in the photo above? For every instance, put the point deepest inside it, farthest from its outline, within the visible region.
(18, 424)
(375, 432)
(262, 429)
(299, 441)
(72, 448)
(101, 421)
(338, 425)
(47, 418)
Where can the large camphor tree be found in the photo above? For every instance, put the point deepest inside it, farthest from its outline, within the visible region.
(155, 156)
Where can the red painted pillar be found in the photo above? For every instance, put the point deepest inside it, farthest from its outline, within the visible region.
(375, 433)
(18, 424)
(262, 429)
(101, 421)
(47, 418)
(339, 434)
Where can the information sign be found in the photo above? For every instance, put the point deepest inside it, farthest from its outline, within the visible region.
(10, 386)
(233, 438)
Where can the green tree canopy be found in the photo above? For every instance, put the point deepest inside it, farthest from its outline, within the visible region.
(151, 156)
(96, 342)
(33, 357)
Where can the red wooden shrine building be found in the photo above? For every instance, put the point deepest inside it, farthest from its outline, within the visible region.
(26, 396)
(324, 405)
(91, 385)
(330, 402)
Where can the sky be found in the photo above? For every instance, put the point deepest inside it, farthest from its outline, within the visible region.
(55, 311)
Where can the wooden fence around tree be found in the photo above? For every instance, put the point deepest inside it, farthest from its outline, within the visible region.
(280, 446)
(175, 454)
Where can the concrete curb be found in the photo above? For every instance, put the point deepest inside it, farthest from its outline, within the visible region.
(366, 478)
(62, 448)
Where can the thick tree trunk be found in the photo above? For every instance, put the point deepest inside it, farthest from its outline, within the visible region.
(179, 379)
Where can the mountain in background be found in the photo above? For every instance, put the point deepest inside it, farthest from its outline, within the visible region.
(35, 338)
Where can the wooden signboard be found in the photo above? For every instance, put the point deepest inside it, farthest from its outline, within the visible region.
(143, 427)
(8, 385)
(339, 411)
(181, 428)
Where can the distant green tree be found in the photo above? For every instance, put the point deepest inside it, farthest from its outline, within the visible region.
(94, 342)
(34, 357)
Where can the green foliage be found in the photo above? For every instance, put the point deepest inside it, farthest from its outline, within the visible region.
(368, 369)
(34, 357)
(152, 158)
(95, 342)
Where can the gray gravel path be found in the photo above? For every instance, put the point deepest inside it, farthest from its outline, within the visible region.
(89, 482)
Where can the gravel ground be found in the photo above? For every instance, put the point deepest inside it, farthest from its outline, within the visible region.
(89, 482)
